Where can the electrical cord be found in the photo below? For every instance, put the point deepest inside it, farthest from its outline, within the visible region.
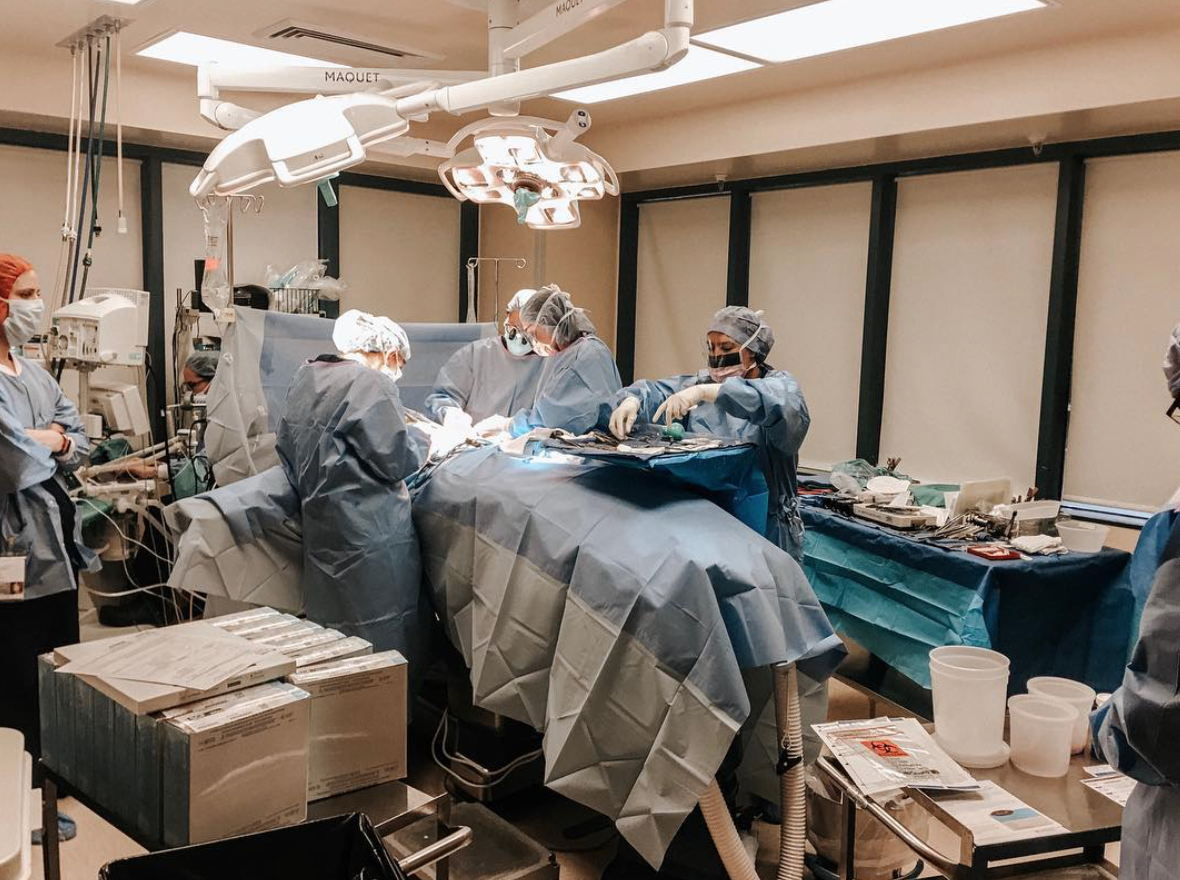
(496, 777)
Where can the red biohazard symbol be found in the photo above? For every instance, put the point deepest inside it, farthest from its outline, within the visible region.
(884, 748)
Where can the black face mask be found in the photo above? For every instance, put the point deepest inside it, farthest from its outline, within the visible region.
(717, 361)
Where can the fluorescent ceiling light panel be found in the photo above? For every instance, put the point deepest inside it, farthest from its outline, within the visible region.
(194, 49)
(843, 24)
(699, 64)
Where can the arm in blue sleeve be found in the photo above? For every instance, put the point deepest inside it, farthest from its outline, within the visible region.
(66, 415)
(774, 403)
(454, 383)
(1141, 726)
(652, 392)
(24, 462)
(577, 396)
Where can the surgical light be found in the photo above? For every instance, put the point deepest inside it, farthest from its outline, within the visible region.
(832, 25)
(533, 165)
(300, 143)
(182, 47)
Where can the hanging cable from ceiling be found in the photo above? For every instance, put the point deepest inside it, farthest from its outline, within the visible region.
(122, 227)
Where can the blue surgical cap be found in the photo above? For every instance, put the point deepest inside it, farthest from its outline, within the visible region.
(743, 326)
(203, 363)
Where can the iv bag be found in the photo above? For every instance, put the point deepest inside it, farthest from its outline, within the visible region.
(215, 290)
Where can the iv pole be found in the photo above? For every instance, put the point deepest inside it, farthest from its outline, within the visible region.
(472, 264)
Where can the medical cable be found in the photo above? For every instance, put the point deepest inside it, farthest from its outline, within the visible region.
(122, 225)
(88, 261)
(496, 777)
(126, 537)
(92, 85)
(63, 255)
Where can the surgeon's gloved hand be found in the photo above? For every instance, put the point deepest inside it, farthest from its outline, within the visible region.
(453, 417)
(622, 420)
(492, 425)
(679, 404)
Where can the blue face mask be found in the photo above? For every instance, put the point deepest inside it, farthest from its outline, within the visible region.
(516, 342)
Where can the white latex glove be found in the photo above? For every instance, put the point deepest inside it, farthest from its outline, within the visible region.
(678, 405)
(622, 420)
(496, 424)
(453, 417)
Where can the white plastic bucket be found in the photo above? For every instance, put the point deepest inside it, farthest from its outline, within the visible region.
(1041, 732)
(969, 687)
(1082, 537)
(1080, 696)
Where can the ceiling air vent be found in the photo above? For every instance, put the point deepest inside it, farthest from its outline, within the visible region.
(300, 38)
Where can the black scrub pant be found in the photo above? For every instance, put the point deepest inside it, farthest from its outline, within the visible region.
(28, 629)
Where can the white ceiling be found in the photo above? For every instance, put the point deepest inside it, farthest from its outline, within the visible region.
(458, 33)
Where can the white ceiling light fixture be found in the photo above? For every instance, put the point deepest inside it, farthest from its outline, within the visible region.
(517, 162)
(834, 25)
(182, 47)
(698, 65)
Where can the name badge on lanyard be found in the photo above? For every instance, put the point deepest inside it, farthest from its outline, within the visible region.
(12, 578)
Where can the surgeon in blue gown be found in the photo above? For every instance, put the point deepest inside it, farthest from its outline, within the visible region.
(344, 446)
(41, 440)
(580, 377)
(494, 376)
(739, 396)
(1138, 730)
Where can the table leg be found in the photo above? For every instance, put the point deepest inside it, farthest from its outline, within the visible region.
(847, 868)
(50, 845)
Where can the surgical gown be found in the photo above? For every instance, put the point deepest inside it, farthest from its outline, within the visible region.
(769, 412)
(344, 444)
(483, 379)
(1138, 731)
(577, 387)
(35, 510)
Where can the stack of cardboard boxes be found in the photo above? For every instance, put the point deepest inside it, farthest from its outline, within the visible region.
(317, 715)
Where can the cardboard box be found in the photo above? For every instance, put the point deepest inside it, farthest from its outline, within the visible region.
(358, 722)
(235, 764)
(353, 646)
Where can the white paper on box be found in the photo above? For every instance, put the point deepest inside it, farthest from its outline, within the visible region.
(185, 660)
(145, 697)
(358, 722)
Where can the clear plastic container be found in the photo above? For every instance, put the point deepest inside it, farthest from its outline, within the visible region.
(969, 687)
(1041, 733)
(1080, 696)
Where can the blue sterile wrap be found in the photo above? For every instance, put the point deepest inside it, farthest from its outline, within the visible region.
(1068, 616)
(615, 611)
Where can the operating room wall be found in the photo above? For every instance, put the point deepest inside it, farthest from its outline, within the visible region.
(583, 261)
(681, 281)
(1121, 448)
(971, 268)
(399, 254)
(31, 224)
(808, 258)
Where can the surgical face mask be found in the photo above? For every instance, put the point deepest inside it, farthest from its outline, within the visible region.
(541, 349)
(729, 365)
(720, 374)
(394, 373)
(24, 320)
(516, 342)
